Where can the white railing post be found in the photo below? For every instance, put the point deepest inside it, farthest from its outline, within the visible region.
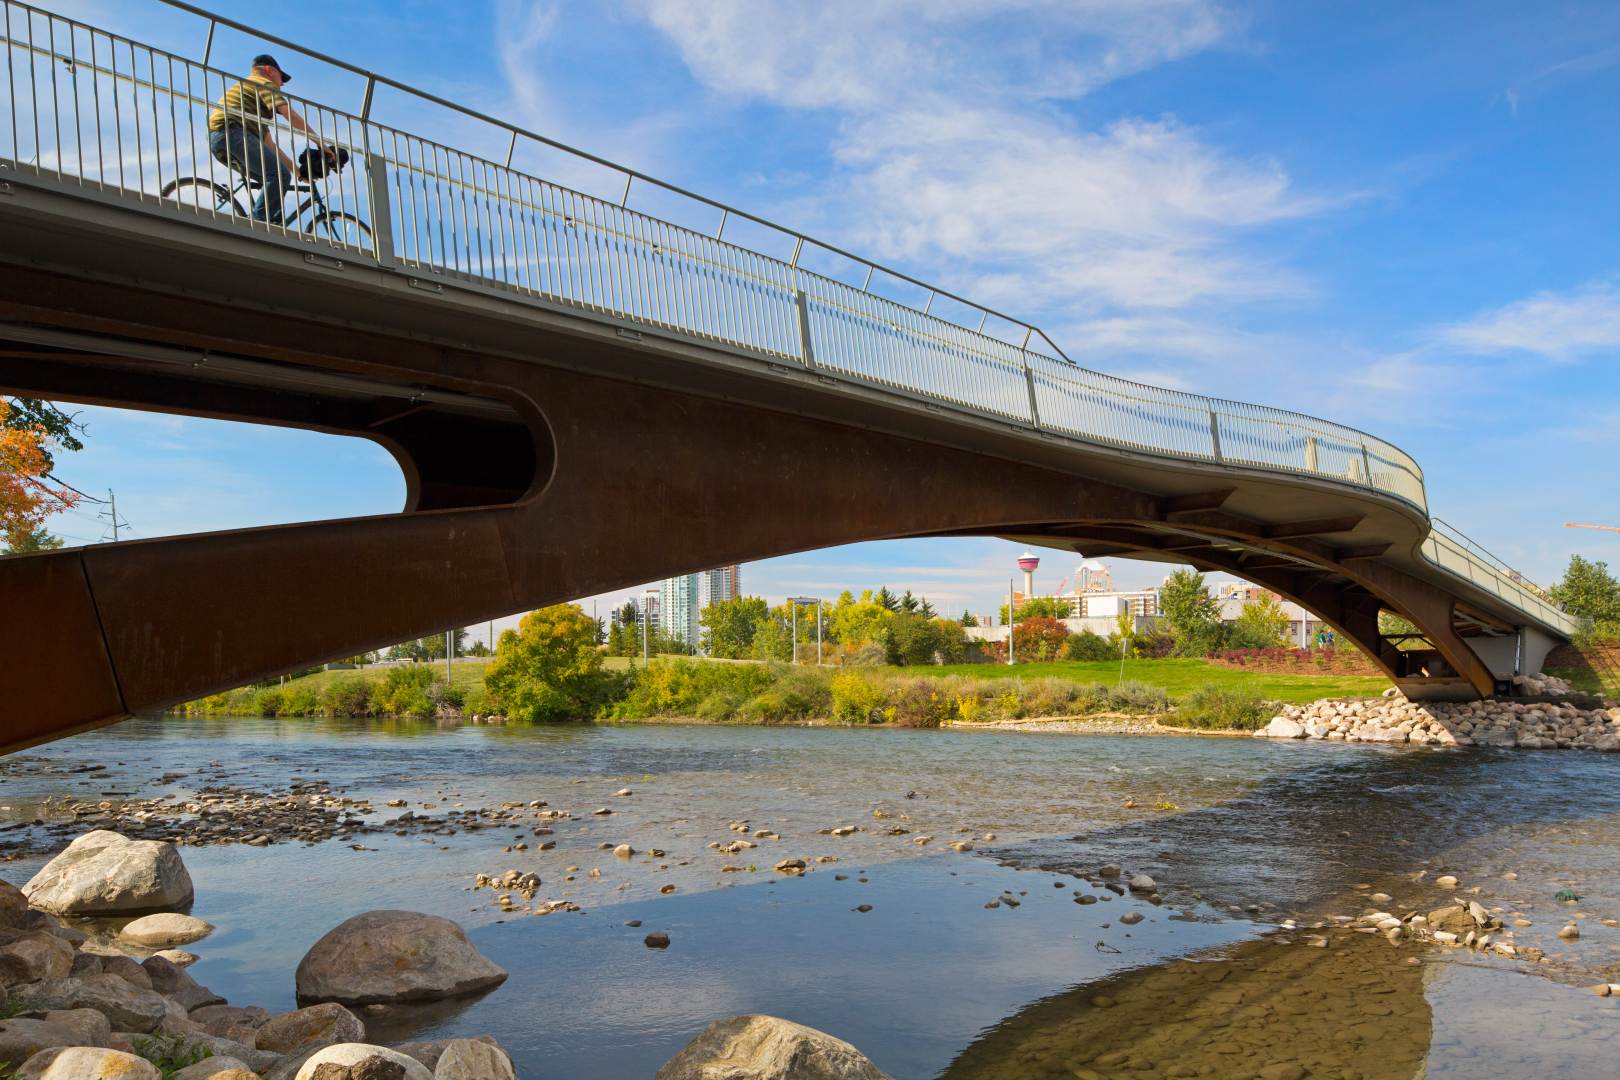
(1215, 435)
(807, 352)
(382, 217)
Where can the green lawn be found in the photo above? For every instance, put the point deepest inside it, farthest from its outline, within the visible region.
(467, 672)
(1178, 677)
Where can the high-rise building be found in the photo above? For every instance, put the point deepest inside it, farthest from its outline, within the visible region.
(722, 583)
(678, 606)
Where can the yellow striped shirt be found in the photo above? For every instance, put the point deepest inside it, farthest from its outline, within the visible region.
(249, 104)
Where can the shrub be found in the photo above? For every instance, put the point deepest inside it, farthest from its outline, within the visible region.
(300, 699)
(1088, 645)
(918, 703)
(706, 689)
(1132, 696)
(1217, 708)
(269, 702)
(855, 699)
(353, 695)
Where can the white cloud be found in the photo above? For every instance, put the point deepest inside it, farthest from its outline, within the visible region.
(1560, 326)
(859, 55)
(954, 154)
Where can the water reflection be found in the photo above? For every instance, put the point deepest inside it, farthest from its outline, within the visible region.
(1279, 1011)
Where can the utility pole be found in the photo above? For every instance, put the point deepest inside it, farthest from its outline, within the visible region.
(449, 651)
(492, 637)
(794, 629)
(115, 524)
(1011, 615)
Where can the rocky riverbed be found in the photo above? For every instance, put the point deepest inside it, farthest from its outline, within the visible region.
(1549, 723)
(820, 876)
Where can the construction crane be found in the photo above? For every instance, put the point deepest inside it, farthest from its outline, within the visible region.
(1601, 528)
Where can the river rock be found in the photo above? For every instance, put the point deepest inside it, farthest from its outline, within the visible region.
(473, 1059)
(104, 873)
(21, 1038)
(320, 1024)
(13, 906)
(126, 969)
(1143, 883)
(429, 1052)
(126, 1007)
(86, 1063)
(166, 976)
(166, 929)
(89, 1027)
(767, 1048)
(42, 956)
(1281, 728)
(394, 956)
(361, 1061)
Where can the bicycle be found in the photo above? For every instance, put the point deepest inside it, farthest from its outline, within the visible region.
(206, 193)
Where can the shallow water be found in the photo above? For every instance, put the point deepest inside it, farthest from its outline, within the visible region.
(928, 982)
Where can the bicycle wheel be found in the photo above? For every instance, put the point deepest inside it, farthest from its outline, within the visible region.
(204, 195)
(344, 228)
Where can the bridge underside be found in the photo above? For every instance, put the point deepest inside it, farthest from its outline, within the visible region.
(552, 451)
(533, 482)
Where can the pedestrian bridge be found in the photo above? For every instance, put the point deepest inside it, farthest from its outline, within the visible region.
(591, 381)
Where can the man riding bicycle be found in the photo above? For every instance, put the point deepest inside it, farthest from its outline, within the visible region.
(239, 134)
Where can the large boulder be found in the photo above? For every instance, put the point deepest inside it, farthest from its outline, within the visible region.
(41, 956)
(1281, 728)
(127, 1007)
(164, 929)
(216, 1068)
(21, 1039)
(394, 956)
(86, 1063)
(104, 873)
(360, 1061)
(474, 1059)
(767, 1048)
(319, 1025)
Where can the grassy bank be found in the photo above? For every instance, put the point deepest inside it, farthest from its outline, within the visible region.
(1186, 693)
(1178, 678)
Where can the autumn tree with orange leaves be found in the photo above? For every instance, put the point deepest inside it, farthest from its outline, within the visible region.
(28, 493)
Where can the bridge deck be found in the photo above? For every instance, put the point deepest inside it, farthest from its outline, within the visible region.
(476, 254)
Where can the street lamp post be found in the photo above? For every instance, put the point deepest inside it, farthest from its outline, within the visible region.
(646, 619)
(1011, 620)
(794, 602)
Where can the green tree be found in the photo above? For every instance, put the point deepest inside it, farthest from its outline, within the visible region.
(36, 541)
(1589, 590)
(885, 599)
(729, 626)
(908, 638)
(927, 610)
(1124, 639)
(549, 668)
(1191, 612)
(773, 640)
(1591, 593)
(951, 641)
(59, 427)
(1039, 607)
(908, 603)
(854, 623)
(967, 619)
(1262, 624)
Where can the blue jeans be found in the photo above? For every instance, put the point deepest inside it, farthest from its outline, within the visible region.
(240, 149)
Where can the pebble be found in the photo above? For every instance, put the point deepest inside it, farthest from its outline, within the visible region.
(658, 939)
(1130, 918)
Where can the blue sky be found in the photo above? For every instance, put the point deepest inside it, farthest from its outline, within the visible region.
(1401, 217)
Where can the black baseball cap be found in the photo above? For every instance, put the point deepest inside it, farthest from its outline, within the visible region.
(266, 60)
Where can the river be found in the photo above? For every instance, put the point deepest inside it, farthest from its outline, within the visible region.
(929, 982)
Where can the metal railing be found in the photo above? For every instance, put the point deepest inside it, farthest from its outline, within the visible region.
(89, 109)
(1452, 551)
